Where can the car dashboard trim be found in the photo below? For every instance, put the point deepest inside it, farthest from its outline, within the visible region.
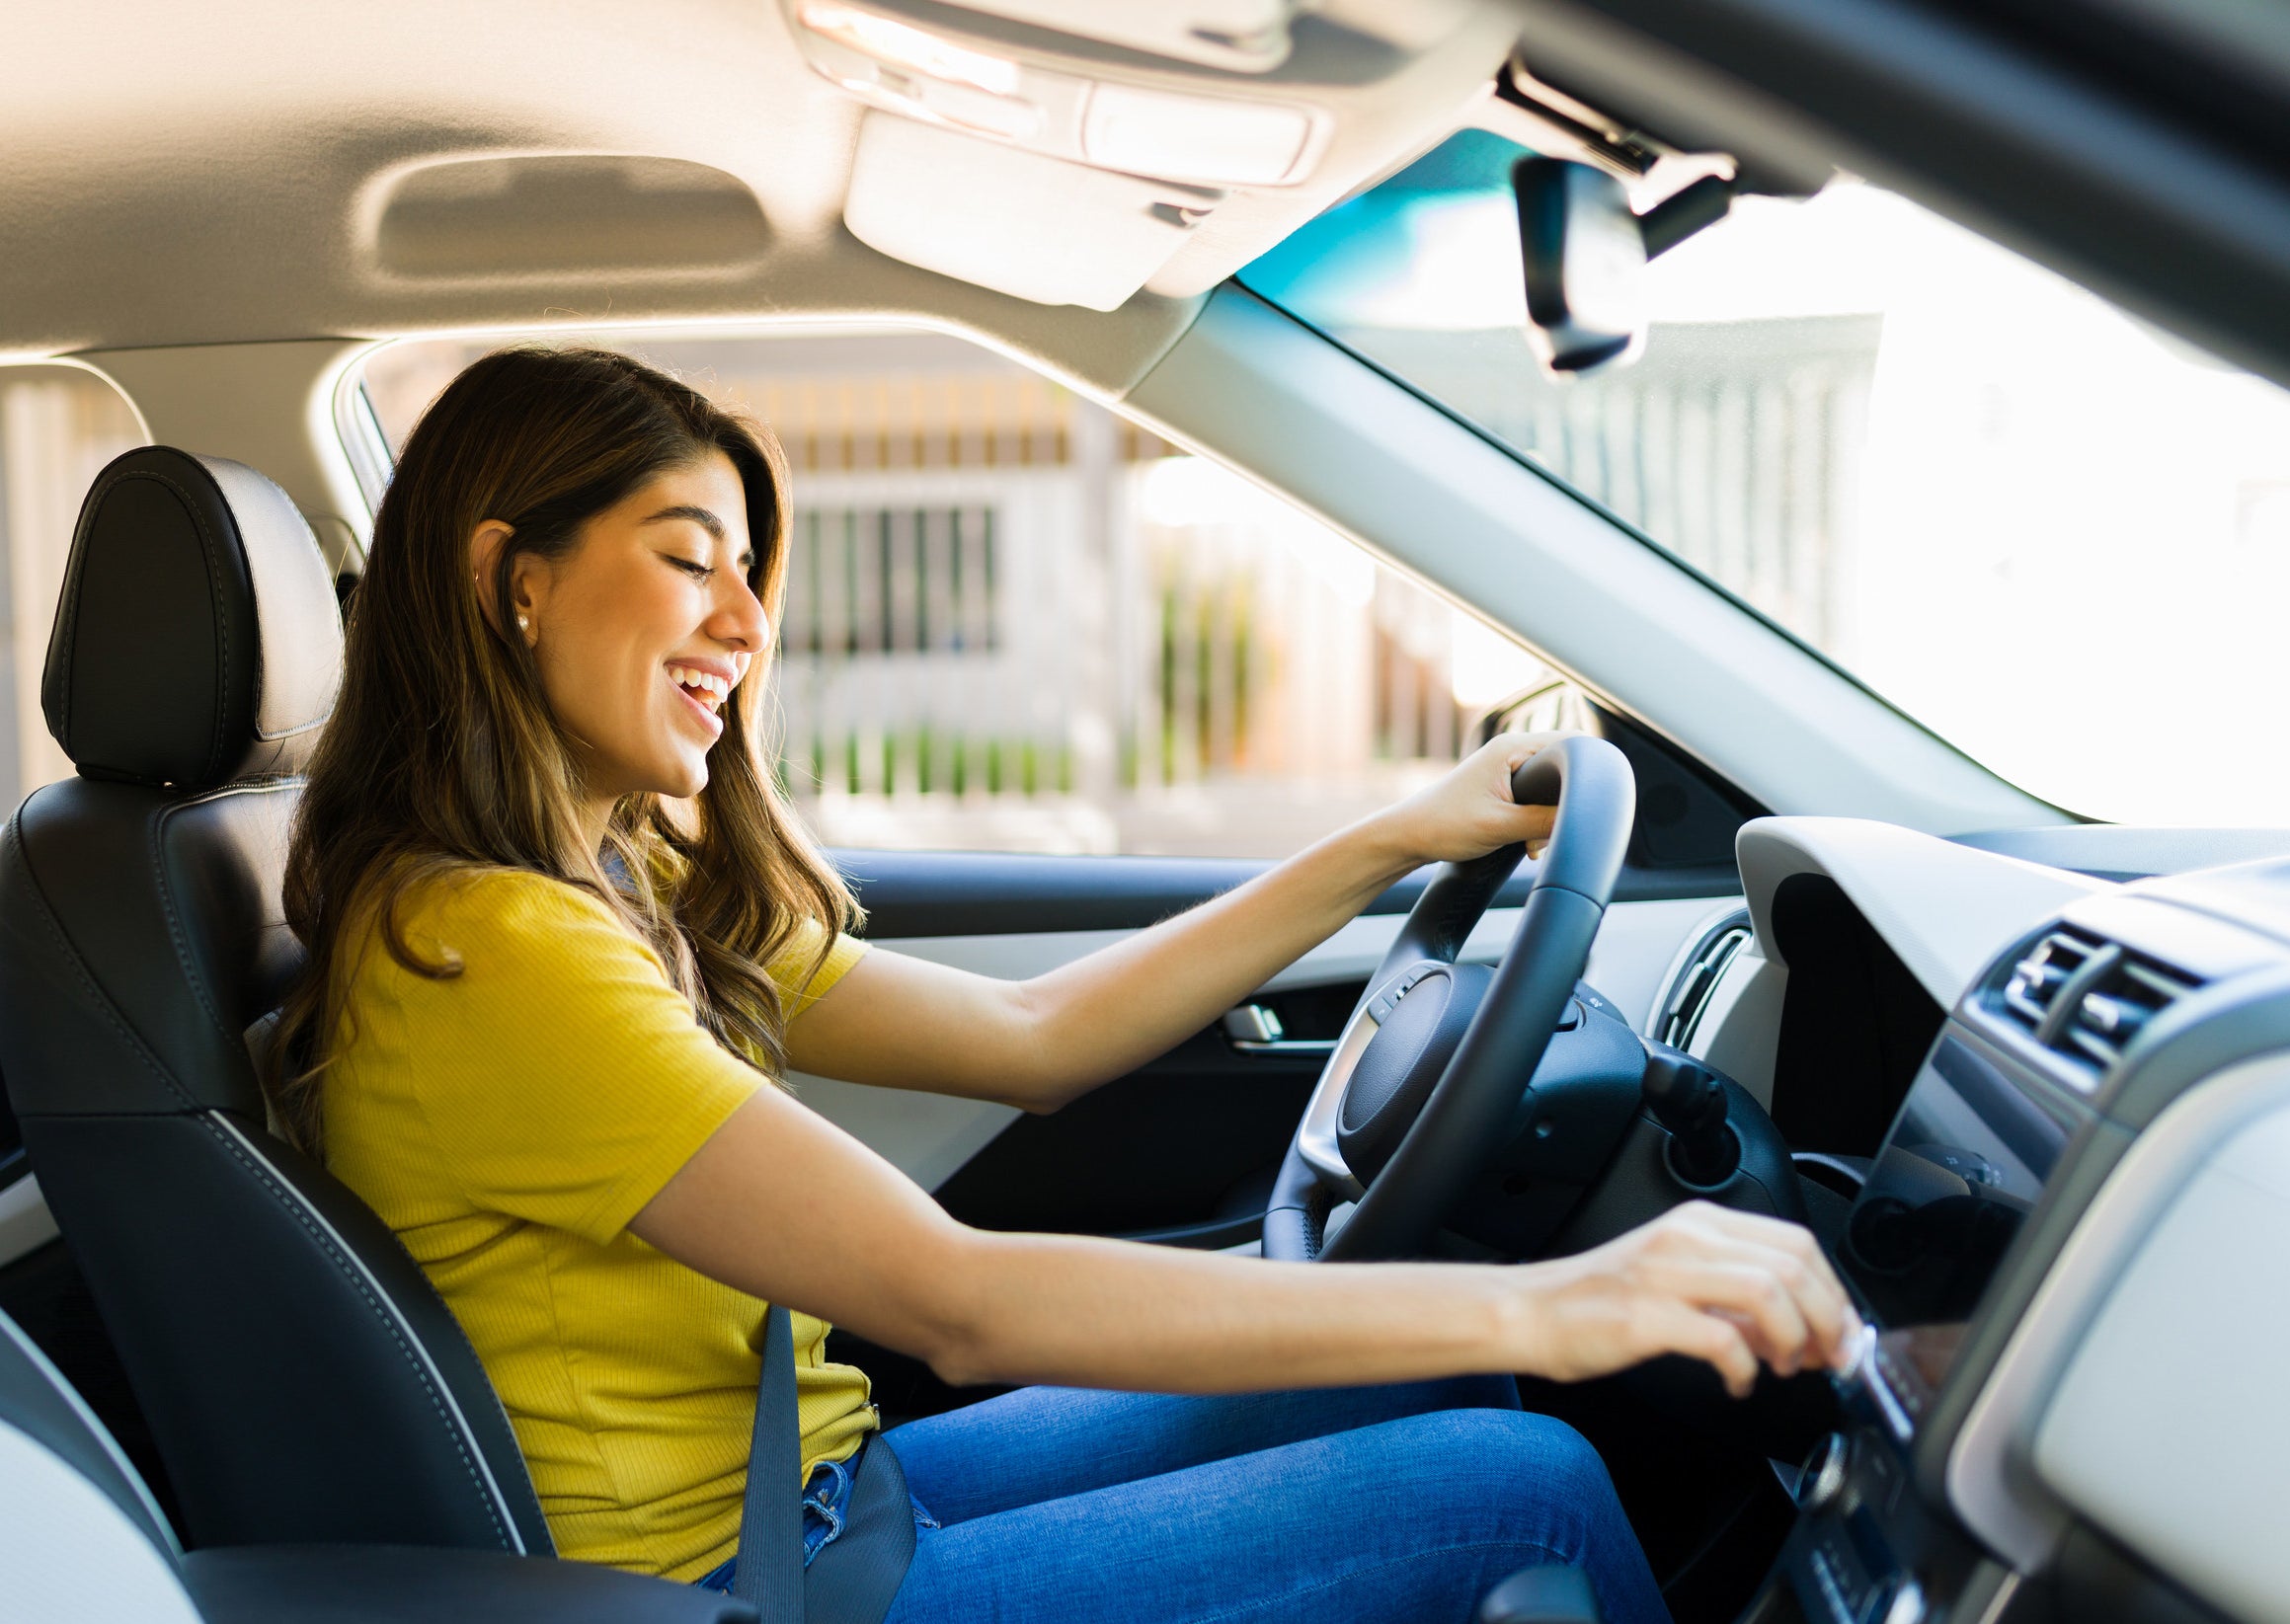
(1990, 1479)
(1946, 909)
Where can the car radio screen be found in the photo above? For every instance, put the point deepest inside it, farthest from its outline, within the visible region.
(1963, 1166)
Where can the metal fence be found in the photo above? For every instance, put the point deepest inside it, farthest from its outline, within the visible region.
(1735, 444)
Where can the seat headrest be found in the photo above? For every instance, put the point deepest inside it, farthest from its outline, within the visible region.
(198, 640)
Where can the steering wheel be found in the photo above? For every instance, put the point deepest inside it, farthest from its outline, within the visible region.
(1413, 1100)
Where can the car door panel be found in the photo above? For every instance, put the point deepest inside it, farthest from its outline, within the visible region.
(1172, 1150)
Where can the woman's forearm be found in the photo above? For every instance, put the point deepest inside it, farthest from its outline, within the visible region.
(1163, 986)
(1103, 1016)
(1081, 1312)
(785, 1207)
(900, 1022)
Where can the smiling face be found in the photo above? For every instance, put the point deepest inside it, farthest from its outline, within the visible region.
(643, 630)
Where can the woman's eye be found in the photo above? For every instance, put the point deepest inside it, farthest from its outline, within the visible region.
(693, 568)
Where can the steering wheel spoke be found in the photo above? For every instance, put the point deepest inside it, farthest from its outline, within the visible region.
(1316, 1137)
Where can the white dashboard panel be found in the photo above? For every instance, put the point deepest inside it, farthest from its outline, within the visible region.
(2015, 1506)
(1639, 947)
(929, 1137)
(2168, 1427)
(1946, 910)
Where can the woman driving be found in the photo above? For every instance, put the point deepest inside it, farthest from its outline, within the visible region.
(565, 938)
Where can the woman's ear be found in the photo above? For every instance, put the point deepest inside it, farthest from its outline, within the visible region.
(485, 545)
(527, 580)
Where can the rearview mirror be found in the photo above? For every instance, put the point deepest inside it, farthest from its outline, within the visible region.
(1584, 260)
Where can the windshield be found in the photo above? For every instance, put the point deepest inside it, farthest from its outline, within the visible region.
(2049, 532)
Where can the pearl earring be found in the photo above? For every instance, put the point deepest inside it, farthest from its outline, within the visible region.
(523, 624)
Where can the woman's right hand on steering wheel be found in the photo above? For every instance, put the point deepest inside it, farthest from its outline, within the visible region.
(1729, 1289)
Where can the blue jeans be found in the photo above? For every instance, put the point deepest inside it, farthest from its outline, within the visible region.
(1059, 1505)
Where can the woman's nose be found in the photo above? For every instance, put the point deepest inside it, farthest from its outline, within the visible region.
(740, 619)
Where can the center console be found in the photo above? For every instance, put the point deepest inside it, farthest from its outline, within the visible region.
(1965, 1164)
(1989, 1231)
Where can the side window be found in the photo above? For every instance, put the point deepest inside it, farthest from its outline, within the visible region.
(58, 426)
(1016, 622)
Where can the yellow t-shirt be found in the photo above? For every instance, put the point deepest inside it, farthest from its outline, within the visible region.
(508, 1123)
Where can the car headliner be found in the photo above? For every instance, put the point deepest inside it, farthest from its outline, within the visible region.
(219, 174)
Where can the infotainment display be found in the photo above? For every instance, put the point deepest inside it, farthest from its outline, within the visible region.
(1965, 1161)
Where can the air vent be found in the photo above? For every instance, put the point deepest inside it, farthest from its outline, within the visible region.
(1703, 968)
(2039, 979)
(2086, 999)
(2128, 996)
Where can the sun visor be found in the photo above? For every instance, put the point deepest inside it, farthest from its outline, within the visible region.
(1034, 227)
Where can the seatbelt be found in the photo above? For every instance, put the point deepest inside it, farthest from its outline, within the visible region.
(768, 1574)
(856, 1576)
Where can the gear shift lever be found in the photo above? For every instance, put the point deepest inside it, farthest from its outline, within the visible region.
(1689, 1099)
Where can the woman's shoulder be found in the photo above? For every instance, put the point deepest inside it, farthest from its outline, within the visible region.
(511, 898)
(495, 911)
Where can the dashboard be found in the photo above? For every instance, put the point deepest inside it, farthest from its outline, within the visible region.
(2065, 1236)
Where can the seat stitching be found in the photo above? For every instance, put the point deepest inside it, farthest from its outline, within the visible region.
(70, 957)
(508, 1425)
(388, 1321)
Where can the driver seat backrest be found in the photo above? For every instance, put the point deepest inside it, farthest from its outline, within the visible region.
(302, 1381)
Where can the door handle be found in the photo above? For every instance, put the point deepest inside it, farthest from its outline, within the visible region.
(1254, 1030)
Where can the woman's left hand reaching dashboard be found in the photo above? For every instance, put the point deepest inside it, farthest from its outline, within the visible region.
(784, 1206)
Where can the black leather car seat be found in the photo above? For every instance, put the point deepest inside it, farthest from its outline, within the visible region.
(82, 1539)
(302, 1381)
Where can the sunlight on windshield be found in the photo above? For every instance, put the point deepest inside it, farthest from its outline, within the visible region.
(2053, 534)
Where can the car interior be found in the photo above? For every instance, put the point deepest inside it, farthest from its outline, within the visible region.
(1859, 430)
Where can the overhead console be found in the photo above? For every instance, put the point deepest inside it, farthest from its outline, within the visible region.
(1072, 154)
(2064, 1250)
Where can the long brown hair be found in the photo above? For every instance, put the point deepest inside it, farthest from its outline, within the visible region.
(443, 756)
